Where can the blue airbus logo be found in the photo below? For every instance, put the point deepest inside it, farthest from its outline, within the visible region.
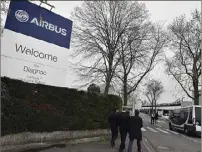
(32, 20)
(21, 16)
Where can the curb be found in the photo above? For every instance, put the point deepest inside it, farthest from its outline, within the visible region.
(19, 148)
(47, 137)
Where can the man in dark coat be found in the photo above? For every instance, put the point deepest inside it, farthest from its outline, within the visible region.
(123, 120)
(135, 125)
(152, 118)
(113, 126)
(156, 117)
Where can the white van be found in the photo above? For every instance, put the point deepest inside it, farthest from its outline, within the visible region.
(187, 119)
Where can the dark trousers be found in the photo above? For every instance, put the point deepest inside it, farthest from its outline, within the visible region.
(130, 146)
(123, 140)
(114, 131)
(152, 120)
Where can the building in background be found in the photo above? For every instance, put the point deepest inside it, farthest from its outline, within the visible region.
(186, 103)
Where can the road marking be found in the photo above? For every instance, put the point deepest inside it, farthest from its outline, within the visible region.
(185, 136)
(172, 132)
(190, 139)
(162, 131)
(158, 125)
(143, 129)
(161, 121)
(145, 140)
(152, 129)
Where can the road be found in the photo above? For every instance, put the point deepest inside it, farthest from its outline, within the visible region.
(164, 140)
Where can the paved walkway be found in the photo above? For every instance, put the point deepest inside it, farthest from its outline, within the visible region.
(101, 146)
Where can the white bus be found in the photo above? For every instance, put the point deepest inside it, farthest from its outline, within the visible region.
(187, 119)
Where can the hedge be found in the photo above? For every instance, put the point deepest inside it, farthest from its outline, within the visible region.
(41, 108)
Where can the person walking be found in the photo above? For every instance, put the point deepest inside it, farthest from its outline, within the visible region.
(123, 128)
(156, 117)
(135, 125)
(152, 118)
(113, 126)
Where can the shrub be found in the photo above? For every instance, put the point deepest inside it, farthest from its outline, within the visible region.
(41, 108)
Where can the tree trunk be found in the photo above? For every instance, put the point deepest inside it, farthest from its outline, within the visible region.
(125, 94)
(196, 92)
(155, 106)
(125, 99)
(195, 84)
(109, 75)
(106, 91)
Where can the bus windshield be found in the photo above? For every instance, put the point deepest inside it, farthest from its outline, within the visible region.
(198, 115)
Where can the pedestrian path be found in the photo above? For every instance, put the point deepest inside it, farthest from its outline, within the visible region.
(157, 129)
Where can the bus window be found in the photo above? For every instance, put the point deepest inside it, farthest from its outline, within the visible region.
(198, 115)
(190, 116)
(183, 116)
(186, 112)
(175, 118)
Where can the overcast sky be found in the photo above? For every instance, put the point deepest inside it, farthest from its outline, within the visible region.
(159, 10)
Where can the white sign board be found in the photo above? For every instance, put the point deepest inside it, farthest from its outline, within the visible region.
(35, 43)
(32, 72)
(32, 60)
(27, 48)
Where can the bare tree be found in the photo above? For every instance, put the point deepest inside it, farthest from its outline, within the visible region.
(139, 54)
(185, 66)
(97, 31)
(4, 9)
(154, 89)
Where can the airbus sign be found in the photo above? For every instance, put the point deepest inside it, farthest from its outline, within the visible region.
(49, 26)
(23, 16)
(29, 19)
(35, 44)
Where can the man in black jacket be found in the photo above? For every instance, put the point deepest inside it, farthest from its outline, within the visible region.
(113, 126)
(156, 117)
(123, 120)
(135, 125)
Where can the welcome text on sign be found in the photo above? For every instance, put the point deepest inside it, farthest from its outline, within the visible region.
(32, 52)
